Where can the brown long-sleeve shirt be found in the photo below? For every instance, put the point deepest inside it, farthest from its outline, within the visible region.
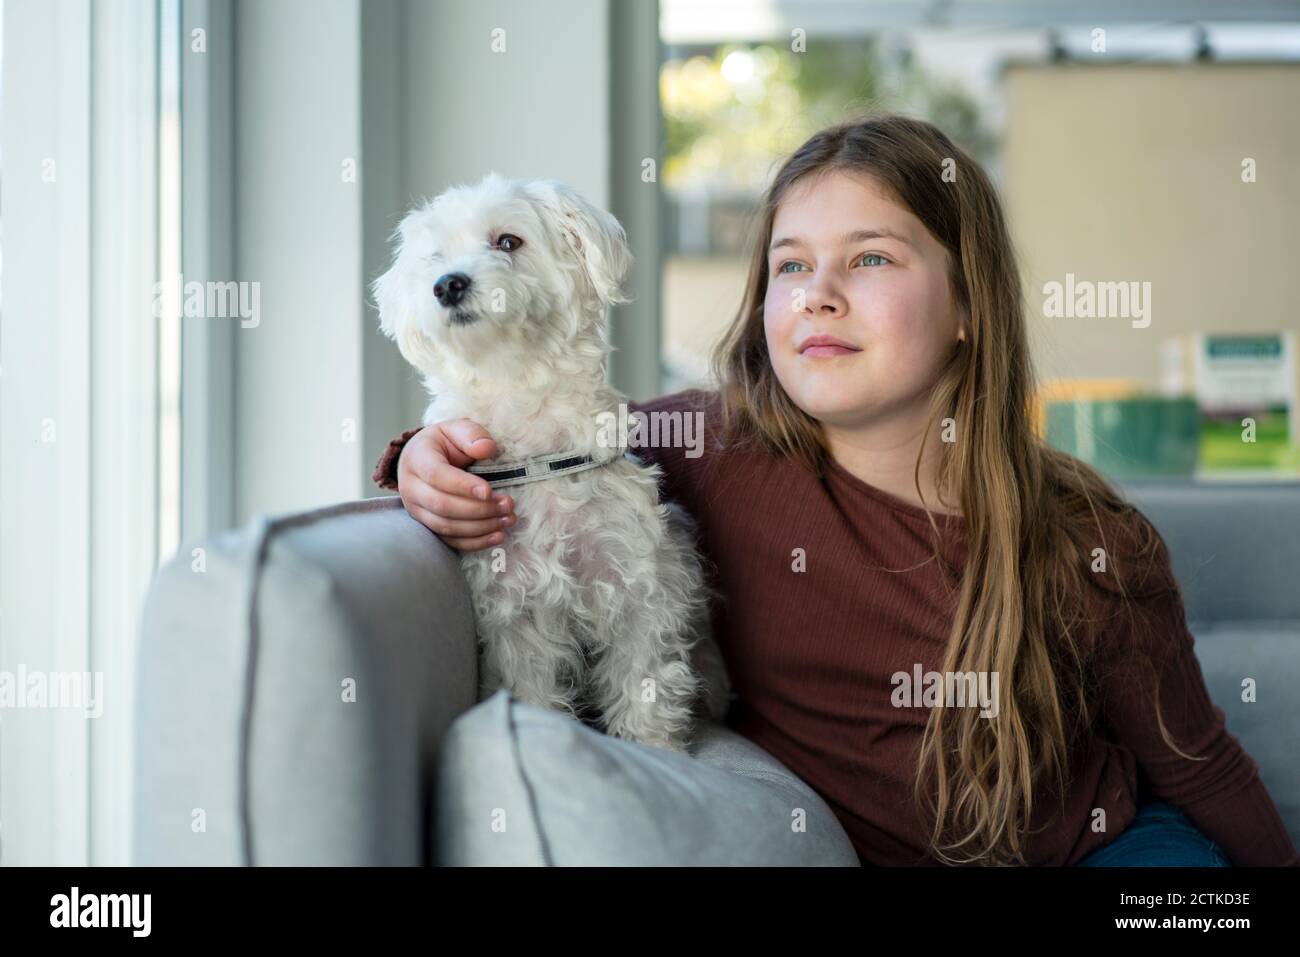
(812, 653)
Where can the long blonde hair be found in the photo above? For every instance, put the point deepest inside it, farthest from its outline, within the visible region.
(1033, 514)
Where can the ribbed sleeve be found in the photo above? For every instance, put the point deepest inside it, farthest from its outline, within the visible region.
(385, 474)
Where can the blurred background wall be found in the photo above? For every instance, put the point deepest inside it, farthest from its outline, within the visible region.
(1135, 172)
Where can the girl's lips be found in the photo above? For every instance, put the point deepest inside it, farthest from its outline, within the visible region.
(828, 351)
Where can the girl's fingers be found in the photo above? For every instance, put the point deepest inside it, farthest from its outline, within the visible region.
(449, 529)
(459, 508)
(465, 440)
(453, 481)
(430, 455)
(474, 544)
(471, 543)
(437, 499)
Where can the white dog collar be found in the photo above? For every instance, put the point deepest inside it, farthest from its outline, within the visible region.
(520, 472)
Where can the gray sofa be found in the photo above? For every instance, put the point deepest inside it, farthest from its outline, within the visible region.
(307, 692)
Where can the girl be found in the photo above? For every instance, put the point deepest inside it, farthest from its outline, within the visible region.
(880, 513)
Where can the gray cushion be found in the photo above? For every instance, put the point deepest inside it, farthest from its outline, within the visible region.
(254, 646)
(1269, 727)
(520, 785)
(1235, 548)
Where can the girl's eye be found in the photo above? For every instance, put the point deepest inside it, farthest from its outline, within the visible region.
(789, 262)
(509, 243)
(881, 260)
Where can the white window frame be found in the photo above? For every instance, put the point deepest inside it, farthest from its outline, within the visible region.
(207, 252)
(78, 350)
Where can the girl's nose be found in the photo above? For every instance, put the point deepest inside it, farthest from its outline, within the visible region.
(822, 297)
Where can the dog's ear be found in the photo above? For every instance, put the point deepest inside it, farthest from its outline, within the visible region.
(386, 289)
(387, 302)
(596, 237)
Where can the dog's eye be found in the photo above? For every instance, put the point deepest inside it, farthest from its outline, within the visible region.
(508, 242)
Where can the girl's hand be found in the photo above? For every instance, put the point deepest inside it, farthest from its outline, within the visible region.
(457, 506)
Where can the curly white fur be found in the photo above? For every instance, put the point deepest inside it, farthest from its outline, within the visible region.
(598, 594)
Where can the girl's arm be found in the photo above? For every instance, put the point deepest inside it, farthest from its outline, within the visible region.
(426, 467)
(385, 474)
(1222, 794)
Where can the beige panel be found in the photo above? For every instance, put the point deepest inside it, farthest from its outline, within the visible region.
(1135, 173)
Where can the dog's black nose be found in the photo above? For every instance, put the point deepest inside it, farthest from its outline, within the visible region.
(450, 288)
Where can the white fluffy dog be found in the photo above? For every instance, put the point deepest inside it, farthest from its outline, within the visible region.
(497, 294)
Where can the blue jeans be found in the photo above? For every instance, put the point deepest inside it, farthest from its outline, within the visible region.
(1160, 836)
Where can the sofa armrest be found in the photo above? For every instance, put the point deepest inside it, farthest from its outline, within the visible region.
(295, 679)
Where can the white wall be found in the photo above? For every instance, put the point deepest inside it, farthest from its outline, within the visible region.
(297, 234)
(541, 108)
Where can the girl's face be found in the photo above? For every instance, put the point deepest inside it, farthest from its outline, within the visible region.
(847, 262)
